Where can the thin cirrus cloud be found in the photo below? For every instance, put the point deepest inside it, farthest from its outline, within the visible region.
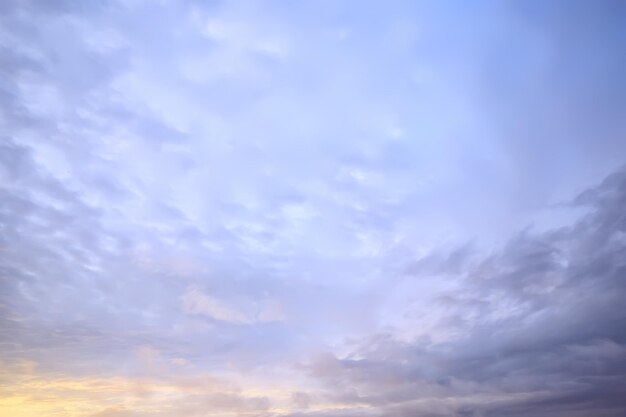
(312, 209)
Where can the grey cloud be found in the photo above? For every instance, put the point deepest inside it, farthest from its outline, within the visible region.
(559, 351)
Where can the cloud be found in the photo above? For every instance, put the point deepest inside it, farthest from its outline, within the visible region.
(34, 394)
(258, 208)
(197, 302)
(558, 348)
(301, 399)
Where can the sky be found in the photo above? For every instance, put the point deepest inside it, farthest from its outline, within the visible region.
(312, 208)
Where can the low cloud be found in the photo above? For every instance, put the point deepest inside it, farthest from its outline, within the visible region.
(559, 349)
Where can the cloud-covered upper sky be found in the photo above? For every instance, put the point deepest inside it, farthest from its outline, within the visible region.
(312, 208)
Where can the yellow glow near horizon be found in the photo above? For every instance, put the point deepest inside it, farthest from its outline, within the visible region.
(33, 395)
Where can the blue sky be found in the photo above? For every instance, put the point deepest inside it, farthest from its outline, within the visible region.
(312, 208)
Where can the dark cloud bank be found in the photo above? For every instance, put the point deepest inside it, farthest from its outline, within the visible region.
(560, 350)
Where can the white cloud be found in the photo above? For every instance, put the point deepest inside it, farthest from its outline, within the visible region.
(271, 311)
(195, 301)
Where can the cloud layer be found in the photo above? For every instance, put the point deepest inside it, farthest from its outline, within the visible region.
(314, 209)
